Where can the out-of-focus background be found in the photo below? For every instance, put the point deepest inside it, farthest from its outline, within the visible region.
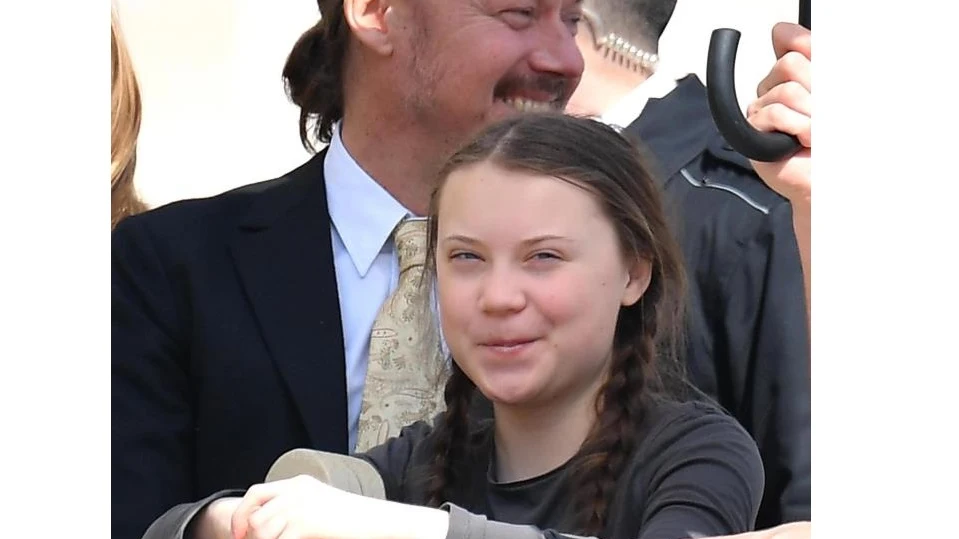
(215, 115)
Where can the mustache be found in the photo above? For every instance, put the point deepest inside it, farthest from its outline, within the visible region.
(554, 85)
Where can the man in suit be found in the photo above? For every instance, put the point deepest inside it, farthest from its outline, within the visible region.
(241, 323)
(748, 339)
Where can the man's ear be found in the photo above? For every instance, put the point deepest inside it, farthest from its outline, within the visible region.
(367, 20)
(637, 281)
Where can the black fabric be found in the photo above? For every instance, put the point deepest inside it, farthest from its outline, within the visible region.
(748, 340)
(226, 344)
(695, 471)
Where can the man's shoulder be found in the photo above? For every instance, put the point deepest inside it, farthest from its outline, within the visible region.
(678, 135)
(204, 211)
(725, 178)
(214, 216)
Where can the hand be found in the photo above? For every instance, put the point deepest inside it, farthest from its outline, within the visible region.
(793, 530)
(300, 507)
(784, 103)
(215, 520)
(306, 508)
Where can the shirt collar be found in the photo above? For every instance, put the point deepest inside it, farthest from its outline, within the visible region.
(363, 213)
(630, 106)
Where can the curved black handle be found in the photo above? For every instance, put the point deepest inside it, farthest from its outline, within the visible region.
(724, 105)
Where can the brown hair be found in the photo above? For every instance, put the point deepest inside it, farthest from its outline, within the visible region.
(313, 73)
(125, 128)
(648, 334)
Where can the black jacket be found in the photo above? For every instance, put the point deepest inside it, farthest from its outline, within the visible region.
(227, 344)
(748, 340)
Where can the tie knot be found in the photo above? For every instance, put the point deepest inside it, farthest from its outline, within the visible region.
(410, 240)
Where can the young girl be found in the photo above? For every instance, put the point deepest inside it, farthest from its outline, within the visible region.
(560, 293)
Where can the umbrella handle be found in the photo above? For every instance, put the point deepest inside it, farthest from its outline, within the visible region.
(724, 105)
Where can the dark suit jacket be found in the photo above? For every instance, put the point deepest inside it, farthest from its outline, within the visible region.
(227, 344)
(748, 340)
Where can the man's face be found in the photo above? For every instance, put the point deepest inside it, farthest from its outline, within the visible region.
(466, 63)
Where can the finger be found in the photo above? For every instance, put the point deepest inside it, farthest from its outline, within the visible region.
(240, 522)
(256, 496)
(261, 515)
(789, 36)
(779, 117)
(791, 67)
(791, 93)
(269, 521)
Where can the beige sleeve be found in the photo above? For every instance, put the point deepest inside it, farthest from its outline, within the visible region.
(341, 471)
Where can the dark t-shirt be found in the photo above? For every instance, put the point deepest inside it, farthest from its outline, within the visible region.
(694, 473)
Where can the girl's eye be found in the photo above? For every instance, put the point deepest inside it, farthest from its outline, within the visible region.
(463, 256)
(546, 255)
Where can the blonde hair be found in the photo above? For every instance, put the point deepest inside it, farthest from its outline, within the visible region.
(126, 111)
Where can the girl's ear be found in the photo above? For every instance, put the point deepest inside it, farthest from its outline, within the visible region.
(637, 281)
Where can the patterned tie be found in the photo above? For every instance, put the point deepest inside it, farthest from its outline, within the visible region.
(406, 370)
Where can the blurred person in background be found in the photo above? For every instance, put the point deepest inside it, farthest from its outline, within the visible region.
(125, 127)
(747, 329)
(784, 104)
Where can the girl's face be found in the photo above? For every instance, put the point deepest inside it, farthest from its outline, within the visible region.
(530, 279)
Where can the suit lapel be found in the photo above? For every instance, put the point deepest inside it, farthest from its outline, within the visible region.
(284, 256)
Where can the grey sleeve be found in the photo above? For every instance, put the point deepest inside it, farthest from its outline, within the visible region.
(466, 525)
(707, 480)
(177, 522)
(396, 457)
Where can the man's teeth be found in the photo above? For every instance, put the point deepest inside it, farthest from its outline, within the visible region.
(528, 105)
